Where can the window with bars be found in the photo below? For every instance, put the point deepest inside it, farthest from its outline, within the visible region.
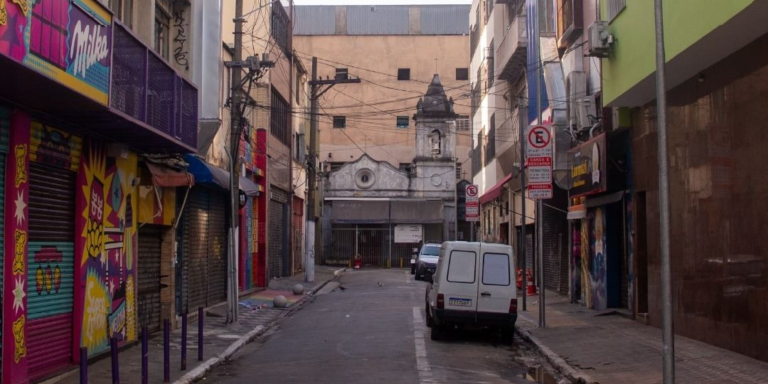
(490, 150)
(339, 121)
(462, 125)
(123, 10)
(280, 27)
(477, 155)
(403, 122)
(162, 29)
(615, 7)
(278, 124)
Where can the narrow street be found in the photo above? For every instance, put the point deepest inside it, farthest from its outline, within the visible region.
(371, 330)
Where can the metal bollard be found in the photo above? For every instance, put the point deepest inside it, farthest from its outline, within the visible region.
(115, 364)
(83, 365)
(144, 355)
(184, 342)
(166, 351)
(200, 319)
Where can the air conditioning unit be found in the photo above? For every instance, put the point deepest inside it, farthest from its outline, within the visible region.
(599, 39)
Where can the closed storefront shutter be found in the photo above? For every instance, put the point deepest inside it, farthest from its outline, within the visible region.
(3, 151)
(51, 268)
(150, 241)
(217, 248)
(555, 247)
(276, 238)
(194, 250)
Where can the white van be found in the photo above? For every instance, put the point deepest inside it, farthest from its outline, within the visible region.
(474, 284)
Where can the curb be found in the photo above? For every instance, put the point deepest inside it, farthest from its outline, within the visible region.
(203, 369)
(554, 359)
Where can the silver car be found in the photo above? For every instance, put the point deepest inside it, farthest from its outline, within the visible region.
(427, 262)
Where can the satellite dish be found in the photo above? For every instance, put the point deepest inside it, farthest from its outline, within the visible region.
(562, 179)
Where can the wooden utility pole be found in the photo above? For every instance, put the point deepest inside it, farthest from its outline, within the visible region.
(318, 88)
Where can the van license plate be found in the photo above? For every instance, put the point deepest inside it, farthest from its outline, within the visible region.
(460, 302)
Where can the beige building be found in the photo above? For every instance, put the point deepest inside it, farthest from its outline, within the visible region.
(395, 51)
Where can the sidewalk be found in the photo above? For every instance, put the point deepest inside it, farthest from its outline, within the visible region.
(256, 315)
(604, 347)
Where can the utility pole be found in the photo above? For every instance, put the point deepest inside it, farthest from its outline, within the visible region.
(255, 69)
(521, 107)
(234, 154)
(539, 204)
(667, 326)
(318, 88)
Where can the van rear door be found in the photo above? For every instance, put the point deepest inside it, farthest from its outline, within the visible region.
(496, 285)
(460, 286)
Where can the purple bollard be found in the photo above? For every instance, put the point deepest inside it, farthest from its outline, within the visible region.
(144, 355)
(115, 364)
(83, 365)
(166, 351)
(200, 334)
(184, 342)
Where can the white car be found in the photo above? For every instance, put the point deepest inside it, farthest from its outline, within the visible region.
(473, 285)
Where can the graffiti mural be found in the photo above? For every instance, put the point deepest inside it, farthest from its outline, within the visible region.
(15, 278)
(68, 41)
(586, 289)
(54, 147)
(157, 205)
(597, 265)
(106, 248)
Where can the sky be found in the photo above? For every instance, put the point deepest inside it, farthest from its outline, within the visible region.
(378, 2)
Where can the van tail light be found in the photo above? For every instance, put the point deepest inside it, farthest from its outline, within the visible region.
(513, 306)
(440, 301)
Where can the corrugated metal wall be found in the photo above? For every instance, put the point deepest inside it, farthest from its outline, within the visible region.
(150, 241)
(382, 20)
(445, 19)
(51, 268)
(315, 20)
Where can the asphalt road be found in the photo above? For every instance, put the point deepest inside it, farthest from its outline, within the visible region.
(371, 331)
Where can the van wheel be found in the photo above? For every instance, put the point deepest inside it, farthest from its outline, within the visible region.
(430, 323)
(508, 335)
(437, 333)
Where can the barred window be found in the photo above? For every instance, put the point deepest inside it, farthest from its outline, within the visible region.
(462, 124)
(279, 119)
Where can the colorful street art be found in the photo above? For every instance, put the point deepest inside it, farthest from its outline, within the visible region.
(54, 147)
(106, 249)
(586, 281)
(152, 211)
(15, 278)
(597, 266)
(69, 41)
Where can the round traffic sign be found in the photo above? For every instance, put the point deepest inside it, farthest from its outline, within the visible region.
(471, 190)
(539, 137)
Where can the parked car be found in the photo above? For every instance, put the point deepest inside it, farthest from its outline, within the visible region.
(473, 285)
(427, 261)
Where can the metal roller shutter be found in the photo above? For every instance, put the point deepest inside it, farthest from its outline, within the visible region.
(51, 268)
(276, 238)
(150, 241)
(194, 250)
(217, 248)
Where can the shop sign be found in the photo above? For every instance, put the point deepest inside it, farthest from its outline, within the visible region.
(408, 233)
(67, 41)
(587, 168)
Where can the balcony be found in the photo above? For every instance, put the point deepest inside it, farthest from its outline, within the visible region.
(511, 54)
(147, 90)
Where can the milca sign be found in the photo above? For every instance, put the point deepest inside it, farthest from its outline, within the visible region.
(69, 41)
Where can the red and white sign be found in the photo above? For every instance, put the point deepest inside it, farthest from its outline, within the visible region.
(540, 191)
(472, 212)
(539, 154)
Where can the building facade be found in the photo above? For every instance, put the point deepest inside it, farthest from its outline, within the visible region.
(380, 212)
(716, 86)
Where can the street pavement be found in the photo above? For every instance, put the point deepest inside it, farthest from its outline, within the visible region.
(371, 330)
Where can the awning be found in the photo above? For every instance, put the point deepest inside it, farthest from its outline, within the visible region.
(495, 192)
(360, 212)
(205, 173)
(604, 199)
(416, 212)
(577, 212)
(163, 176)
(249, 187)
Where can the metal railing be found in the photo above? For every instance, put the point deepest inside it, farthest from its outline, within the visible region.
(146, 88)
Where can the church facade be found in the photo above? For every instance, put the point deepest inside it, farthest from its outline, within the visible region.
(381, 213)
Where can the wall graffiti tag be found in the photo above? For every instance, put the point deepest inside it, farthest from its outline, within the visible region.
(181, 50)
(19, 335)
